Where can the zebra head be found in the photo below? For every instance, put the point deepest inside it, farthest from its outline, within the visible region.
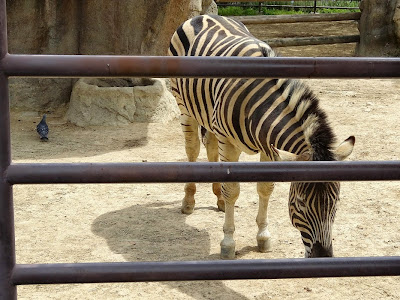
(312, 205)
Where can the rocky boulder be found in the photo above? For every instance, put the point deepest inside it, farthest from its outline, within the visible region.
(379, 28)
(120, 101)
(123, 27)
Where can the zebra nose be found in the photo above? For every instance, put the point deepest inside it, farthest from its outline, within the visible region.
(319, 251)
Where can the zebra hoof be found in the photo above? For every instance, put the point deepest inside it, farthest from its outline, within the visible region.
(187, 206)
(228, 248)
(187, 210)
(227, 252)
(264, 245)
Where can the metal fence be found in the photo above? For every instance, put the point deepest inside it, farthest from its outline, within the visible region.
(285, 4)
(13, 274)
(302, 41)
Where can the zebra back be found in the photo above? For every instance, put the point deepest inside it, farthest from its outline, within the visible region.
(251, 113)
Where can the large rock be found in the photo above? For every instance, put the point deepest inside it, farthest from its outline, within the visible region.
(39, 94)
(209, 7)
(123, 27)
(396, 20)
(131, 27)
(379, 28)
(121, 101)
(41, 27)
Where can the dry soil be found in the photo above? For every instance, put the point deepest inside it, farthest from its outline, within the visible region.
(142, 222)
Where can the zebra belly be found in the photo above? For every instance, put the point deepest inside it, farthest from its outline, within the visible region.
(195, 100)
(243, 147)
(204, 110)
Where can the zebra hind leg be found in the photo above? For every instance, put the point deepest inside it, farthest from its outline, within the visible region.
(192, 147)
(211, 143)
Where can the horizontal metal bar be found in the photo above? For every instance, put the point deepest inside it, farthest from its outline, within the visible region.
(218, 67)
(201, 172)
(304, 6)
(290, 6)
(205, 270)
(221, 1)
(274, 19)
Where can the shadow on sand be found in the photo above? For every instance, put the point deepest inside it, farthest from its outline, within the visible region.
(155, 232)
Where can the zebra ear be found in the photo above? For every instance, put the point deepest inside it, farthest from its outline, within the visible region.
(345, 148)
(282, 155)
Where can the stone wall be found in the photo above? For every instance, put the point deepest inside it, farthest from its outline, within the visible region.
(379, 28)
(41, 27)
(129, 27)
(123, 27)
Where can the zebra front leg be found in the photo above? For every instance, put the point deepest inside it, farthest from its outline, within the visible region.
(211, 144)
(216, 187)
(230, 192)
(192, 147)
(264, 190)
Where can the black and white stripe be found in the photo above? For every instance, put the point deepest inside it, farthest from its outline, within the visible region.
(254, 114)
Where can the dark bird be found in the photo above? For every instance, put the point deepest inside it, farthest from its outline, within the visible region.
(43, 129)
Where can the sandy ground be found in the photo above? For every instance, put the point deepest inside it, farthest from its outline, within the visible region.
(142, 222)
(292, 30)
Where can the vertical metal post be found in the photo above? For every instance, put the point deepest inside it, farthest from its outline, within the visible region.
(7, 235)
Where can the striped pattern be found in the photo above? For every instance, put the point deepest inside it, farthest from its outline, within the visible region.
(253, 114)
(312, 209)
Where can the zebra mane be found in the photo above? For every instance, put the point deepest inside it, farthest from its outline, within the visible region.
(317, 131)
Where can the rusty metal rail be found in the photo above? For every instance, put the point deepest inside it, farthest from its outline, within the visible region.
(201, 172)
(12, 274)
(276, 19)
(205, 270)
(218, 67)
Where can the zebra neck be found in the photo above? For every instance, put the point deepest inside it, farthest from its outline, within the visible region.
(291, 120)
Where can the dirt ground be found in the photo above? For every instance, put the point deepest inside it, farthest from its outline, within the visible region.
(142, 222)
(291, 30)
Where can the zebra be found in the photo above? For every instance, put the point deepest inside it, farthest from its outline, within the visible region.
(278, 118)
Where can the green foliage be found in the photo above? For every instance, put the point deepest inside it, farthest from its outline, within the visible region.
(237, 11)
(339, 3)
(350, 5)
(269, 11)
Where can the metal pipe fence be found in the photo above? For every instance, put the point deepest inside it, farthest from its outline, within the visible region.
(217, 67)
(290, 4)
(314, 171)
(205, 270)
(302, 41)
(13, 274)
(313, 5)
(308, 18)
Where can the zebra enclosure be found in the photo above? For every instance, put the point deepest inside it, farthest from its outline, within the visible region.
(68, 223)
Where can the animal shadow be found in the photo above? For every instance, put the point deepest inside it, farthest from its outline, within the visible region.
(158, 232)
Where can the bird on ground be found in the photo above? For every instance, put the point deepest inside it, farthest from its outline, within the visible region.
(43, 129)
